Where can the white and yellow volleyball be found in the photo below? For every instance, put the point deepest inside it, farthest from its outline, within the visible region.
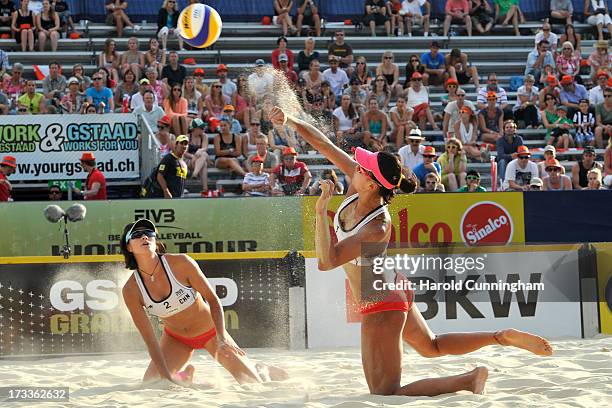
(199, 25)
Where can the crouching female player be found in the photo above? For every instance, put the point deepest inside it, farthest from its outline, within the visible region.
(173, 288)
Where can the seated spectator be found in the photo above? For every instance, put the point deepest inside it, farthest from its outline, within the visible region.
(549, 153)
(520, 171)
(607, 172)
(339, 48)
(201, 86)
(256, 182)
(118, 17)
(596, 93)
(22, 25)
(132, 59)
(194, 98)
(551, 89)
(581, 168)
(78, 72)
(110, 58)
(538, 59)
(285, 68)
(282, 10)
(33, 101)
(561, 136)
(167, 21)
(291, 177)
(228, 87)
(62, 9)
(603, 119)
(571, 94)
(150, 111)
(482, 16)
(454, 165)
(260, 81)
(228, 147)
(127, 88)
(5, 104)
(390, 72)
(327, 174)
(568, 63)
(411, 155)
(281, 136)
(54, 84)
(452, 112)
(418, 101)
(525, 110)
(328, 99)
(7, 8)
(555, 180)
(548, 35)
(270, 160)
(138, 98)
(491, 120)
(506, 10)
(401, 122)
(451, 86)
(308, 14)
(500, 93)
(346, 124)
(228, 114)
(313, 78)
(432, 184)
(457, 12)
(535, 184)
(175, 106)
(594, 179)
(435, 66)
(393, 8)
(414, 65)
(600, 59)
(460, 68)
(380, 90)
(47, 26)
(561, 12)
(375, 124)
(155, 57)
(249, 142)
(507, 147)
(415, 12)
(196, 155)
(428, 165)
(164, 137)
(86, 109)
(376, 15)
(584, 123)
(336, 77)
(173, 73)
(216, 101)
(357, 94)
(598, 15)
(466, 130)
(307, 55)
(573, 37)
(168, 179)
(55, 193)
(72, 100)
(472, 180)
(282, 50)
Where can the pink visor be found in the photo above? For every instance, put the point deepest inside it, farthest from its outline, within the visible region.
(369, 161)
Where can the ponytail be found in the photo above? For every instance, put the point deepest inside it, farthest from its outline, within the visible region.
(408, 186)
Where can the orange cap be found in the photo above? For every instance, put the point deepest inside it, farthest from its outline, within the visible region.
(522, 150)
(88, 156)
(429, 151)
(9, 161)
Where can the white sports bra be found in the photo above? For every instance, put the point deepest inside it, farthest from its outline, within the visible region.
(342, 234)
(179, 298)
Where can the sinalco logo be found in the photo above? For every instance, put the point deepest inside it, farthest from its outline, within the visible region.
(486, 223)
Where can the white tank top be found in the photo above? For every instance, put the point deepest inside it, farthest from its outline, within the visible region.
(342, 234)
(179, 298)
(466, 134)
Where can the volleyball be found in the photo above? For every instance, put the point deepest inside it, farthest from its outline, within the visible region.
(199, 25)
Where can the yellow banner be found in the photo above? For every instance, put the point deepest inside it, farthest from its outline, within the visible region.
(604, 277)
(420, 219)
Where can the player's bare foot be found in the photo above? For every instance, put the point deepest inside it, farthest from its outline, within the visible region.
(271, 373)
(189, 370)
(479, 380)
(530, 342)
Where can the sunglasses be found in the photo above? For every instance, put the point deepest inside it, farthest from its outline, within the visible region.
(472, 178)
(255, 124)
(413, 141)
(429, 156)
(416, 79)
(607, 96)
(552, 169)
(430, 182)
(388, 57)
(461, 95)
(54, 192)
(97, 79)
(380, 80)
(23, 110)
(414, 60)
(452, 147)
(523, 157)
(360, 63)
(216, 86)
(535, 187)
(142, 233)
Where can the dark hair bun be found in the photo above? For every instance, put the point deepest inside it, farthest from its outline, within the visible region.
(408, 186)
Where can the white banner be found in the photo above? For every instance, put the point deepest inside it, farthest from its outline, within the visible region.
(48, 147)
(553, 310)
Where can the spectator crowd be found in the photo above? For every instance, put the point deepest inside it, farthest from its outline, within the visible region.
(378, 105)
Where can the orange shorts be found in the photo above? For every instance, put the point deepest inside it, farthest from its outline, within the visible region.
(198, 342)
(420, 110)
(393, 302)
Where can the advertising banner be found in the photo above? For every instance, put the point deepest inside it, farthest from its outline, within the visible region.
(422, 219)
(604, 277)
(485, 289)
(194, 226)
(48, 147)
(48, 308)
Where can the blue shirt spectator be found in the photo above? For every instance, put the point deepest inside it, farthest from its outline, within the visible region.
(99, 93)
(428, 165)
(432, 61)
(571, 92)
(538, 59)
(506, 148)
